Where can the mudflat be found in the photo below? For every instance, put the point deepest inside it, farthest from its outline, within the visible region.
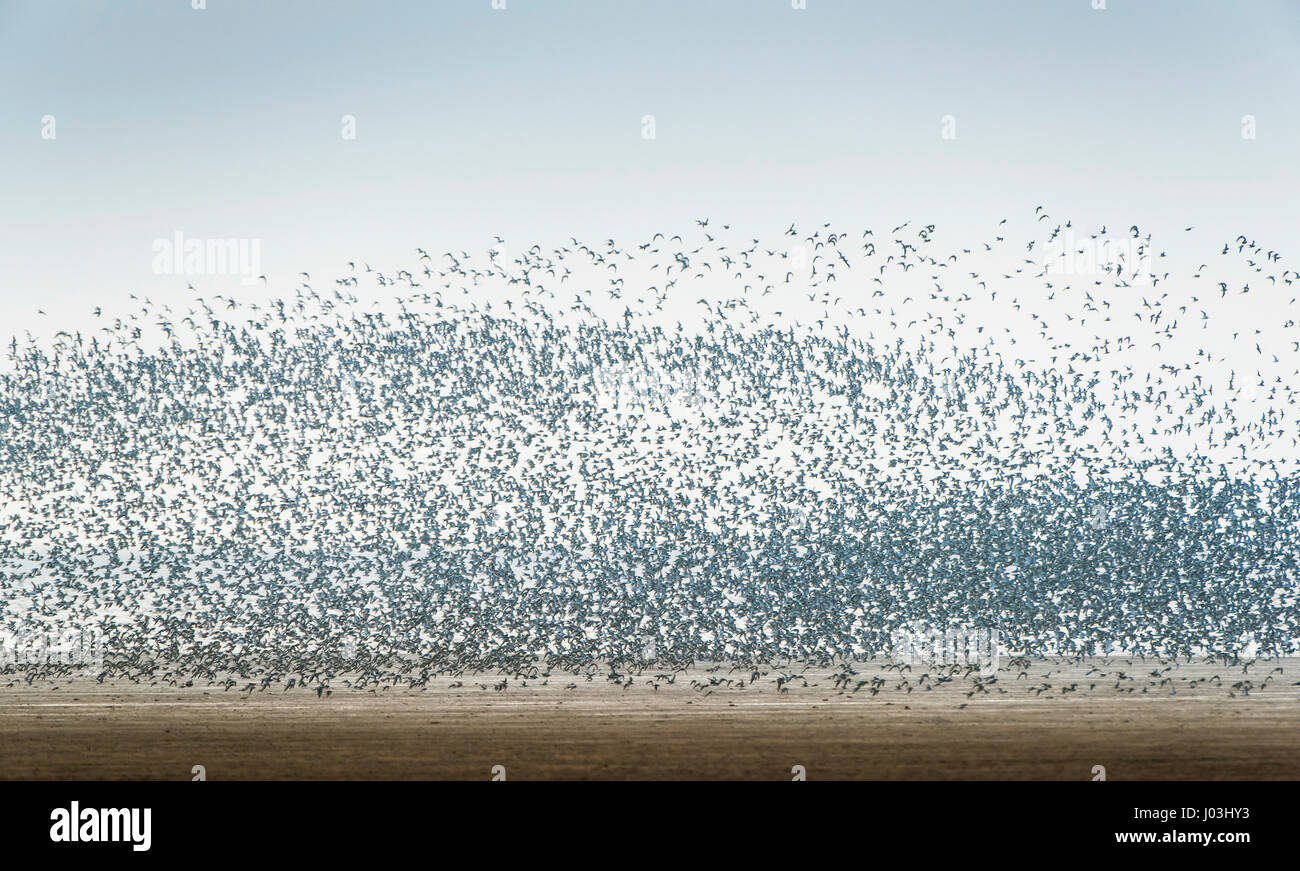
(1045, 720)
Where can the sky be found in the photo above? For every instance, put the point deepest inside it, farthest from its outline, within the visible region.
(529, 122)
(323, 133)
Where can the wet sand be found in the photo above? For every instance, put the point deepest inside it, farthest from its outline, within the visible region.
(692, 728)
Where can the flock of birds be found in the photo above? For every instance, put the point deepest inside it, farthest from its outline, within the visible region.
(520, 460)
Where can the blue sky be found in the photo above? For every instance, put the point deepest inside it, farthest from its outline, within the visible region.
(527, 122)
